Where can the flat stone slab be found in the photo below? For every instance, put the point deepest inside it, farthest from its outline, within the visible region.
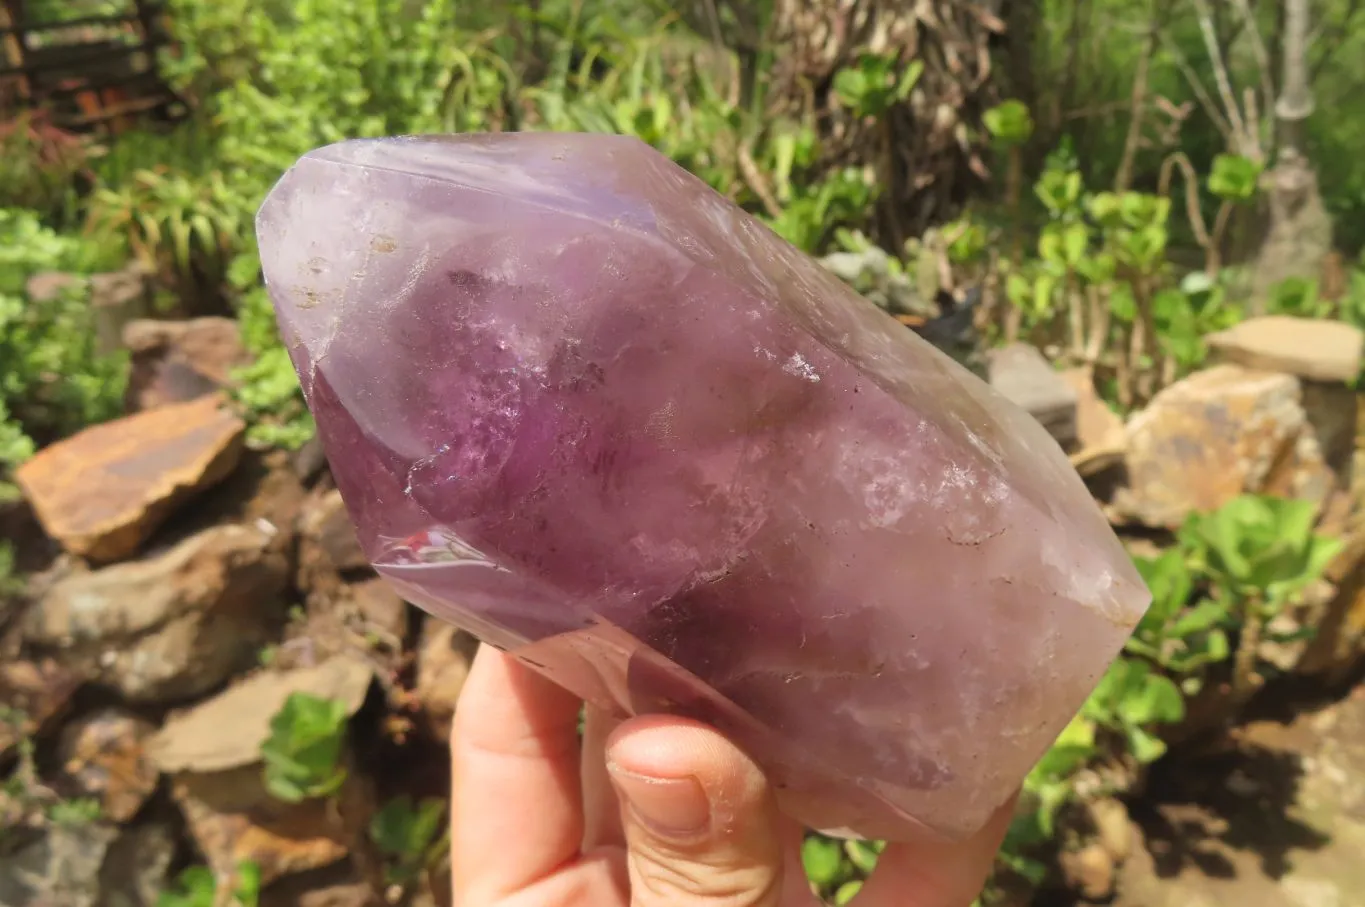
(1310, 348)
(1027, 379)
(102, 492)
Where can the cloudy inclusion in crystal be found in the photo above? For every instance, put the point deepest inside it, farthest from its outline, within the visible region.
(585, 407)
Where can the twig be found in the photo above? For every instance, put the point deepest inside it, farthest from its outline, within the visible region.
(1258, 50)
(1197, 86)
(1221, 78)
(753, 178)
(1193, 211)
(1137, 109)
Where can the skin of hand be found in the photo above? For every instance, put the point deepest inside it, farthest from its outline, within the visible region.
(650, 812)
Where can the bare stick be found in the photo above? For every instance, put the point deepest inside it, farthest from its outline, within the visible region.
(1200, 91)
(1221, 78)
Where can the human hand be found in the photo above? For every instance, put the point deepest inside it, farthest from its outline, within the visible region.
(653, 812)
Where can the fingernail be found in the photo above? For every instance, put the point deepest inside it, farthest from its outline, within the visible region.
(669, 807)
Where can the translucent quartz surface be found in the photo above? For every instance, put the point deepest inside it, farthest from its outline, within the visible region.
(585, 407)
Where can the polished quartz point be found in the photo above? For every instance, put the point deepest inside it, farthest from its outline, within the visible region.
(585, 407)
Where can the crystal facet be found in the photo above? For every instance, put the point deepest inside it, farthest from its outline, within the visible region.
(585, 407)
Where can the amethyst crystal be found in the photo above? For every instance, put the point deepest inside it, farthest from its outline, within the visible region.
(588, 409)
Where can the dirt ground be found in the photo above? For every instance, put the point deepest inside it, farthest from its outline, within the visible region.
(1273, 816)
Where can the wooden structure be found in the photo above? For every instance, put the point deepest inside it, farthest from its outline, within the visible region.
(87, 72)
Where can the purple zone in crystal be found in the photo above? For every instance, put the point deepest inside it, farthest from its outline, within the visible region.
(574, 399)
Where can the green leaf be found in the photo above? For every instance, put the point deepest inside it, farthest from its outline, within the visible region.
(1010, 123)
(1234, 177)
(1202, 617)
(863, 854)
(823, 860)
(848, 891)
(1145, 746)
(909, 79)
(303, 751)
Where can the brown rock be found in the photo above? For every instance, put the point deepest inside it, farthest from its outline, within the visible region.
(1113, 828)
(1338, 646)
(1316, 349)
(173, 625)
(1215, 435)
(1100, 438)
(103, 492)
(334, 886)
(380, 609)
(1333, 412)
(175, 361)
(34, 693)
(1089, 871)
(329, 534)
(102, 756)
(232, 818)
(443, 660)
(226, 732)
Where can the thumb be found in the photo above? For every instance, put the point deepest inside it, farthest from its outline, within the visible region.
(700, 821)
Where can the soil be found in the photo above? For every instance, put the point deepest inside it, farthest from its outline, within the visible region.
(1272, 815)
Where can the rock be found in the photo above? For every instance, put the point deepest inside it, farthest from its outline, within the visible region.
(232, 818)
(1312, 348)
(176, 361)
(1333, 412)
(309, 460)
(102, 756)
(443, 660)
(1089, 871)
(1215, 435)
(1113, 828)
(226, 732)
(47, 286)
(58, 868)
(328, 534)
(1337, 647)
(117, 298)
(1100, 438)
(380, 609)
(333, 886)
(171, 626)
(1027, 379)
(103, 492)
(35, 693)
(135, 869)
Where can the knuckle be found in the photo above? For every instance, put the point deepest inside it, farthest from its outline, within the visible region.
(724, 882)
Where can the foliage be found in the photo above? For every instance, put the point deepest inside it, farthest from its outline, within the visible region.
(1255, 549)
(836, 868)
(197, 887)
(409, 836)
(1179, 638)
(41, 162)
(1260, 554)
(53, 379)
(1009, 123)
(303, 754)
(1100, 282)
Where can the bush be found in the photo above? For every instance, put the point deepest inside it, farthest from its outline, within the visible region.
(53, 378)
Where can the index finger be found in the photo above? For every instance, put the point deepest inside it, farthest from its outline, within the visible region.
(517, 812)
